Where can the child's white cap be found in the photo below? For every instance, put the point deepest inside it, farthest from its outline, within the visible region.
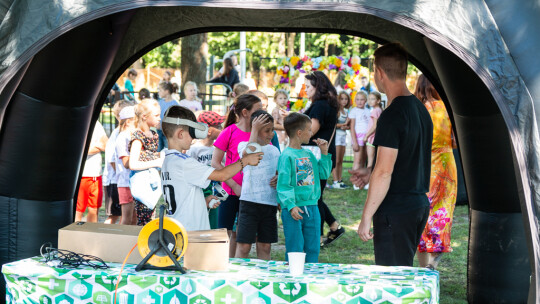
(127, 112)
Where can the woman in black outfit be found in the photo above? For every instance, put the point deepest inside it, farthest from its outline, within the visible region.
(323, 113)
(230, 75)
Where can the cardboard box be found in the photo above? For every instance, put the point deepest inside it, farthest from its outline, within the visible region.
(207, 250)
(111, 243)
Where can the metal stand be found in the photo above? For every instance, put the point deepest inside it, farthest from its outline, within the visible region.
(160, 245)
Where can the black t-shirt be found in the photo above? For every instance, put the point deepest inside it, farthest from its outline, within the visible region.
(406, 125)
(327, 117)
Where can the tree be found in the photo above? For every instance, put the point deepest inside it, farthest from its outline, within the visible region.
(166, 55)
(194, 57)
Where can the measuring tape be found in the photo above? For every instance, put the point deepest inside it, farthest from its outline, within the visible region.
(174, 235)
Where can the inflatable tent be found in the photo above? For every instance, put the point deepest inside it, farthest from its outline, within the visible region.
(60, 58)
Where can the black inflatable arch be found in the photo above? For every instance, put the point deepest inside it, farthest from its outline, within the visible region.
(56, 89)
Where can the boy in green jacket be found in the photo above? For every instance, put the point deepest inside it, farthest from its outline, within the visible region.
(298, 188)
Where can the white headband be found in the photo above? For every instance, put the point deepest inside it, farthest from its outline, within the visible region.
(127, 112)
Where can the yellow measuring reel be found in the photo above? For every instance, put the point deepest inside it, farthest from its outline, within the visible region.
(174, 236)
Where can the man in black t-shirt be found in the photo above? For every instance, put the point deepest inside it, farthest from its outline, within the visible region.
(396, 200)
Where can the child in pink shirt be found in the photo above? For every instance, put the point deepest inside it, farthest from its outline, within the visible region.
(237, 129)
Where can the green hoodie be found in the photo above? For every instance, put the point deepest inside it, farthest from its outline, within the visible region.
(299, 175)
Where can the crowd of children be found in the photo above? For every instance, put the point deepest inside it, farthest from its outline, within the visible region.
(257, 157)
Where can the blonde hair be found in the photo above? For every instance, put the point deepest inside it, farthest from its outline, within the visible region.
(145, 107)
(362, 93)
(238, 90)
(119, 105)
(191, 83)
(281, 92)
(123, 123)
(259, 94)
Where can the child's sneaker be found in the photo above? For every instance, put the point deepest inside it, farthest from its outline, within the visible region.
(355, 187)
(334, 235)
(339, 185)
(343, 186)
(366, 187)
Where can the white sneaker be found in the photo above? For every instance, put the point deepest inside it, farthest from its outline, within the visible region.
(366, 187)
(356, 187)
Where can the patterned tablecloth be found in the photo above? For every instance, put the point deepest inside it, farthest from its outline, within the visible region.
(247, 281)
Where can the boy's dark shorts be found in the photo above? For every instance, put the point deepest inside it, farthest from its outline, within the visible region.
(112, 201)
(256, 223)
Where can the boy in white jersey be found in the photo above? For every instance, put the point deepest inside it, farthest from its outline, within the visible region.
(257, 220)
(203, 150)
(184, 178)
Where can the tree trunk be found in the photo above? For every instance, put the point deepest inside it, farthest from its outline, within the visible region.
(326, 44)
(281, 45)
(193, 61)
(290, 44)
(356, 46)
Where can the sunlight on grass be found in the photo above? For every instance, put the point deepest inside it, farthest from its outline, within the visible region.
(347, 205)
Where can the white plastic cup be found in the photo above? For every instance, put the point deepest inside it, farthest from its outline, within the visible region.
(296, 263)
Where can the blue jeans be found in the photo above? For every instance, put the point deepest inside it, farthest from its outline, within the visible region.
(303, 235)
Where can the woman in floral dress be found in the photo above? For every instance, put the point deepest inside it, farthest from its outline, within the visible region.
(443, 181)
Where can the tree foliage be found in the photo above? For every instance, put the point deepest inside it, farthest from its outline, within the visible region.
(265, 47)
(166, 55)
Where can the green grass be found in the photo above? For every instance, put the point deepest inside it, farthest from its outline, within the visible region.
(347, 205)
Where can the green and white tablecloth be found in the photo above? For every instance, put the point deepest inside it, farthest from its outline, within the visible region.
(247, 281)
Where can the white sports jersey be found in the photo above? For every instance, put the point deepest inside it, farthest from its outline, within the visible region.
(183, 179)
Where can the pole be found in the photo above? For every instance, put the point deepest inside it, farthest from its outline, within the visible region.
(302, 44)
(242, 56)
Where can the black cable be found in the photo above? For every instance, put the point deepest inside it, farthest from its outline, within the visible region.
(69, 259)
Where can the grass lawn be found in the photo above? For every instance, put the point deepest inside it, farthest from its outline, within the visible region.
(347, 205)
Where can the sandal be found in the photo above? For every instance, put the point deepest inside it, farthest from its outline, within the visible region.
(334, 235)
(430, 267)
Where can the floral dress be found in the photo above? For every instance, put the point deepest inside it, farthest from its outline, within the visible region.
(442, 184)
(149, 152)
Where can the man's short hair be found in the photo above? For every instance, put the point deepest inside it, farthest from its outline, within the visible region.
(294, 122)
(392, 59)
(176, 112)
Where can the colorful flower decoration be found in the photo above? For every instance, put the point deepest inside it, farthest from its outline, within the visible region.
(289, 67)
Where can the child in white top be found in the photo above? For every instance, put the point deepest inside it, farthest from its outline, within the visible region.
(202, 150)
(258, 200)
(374, 101)
(360, 117)
(184, 178)
(143, 151)
(110, 180)
(126, 127)
(343, 124)
(91, 187)
(279, 113)
(191, 102)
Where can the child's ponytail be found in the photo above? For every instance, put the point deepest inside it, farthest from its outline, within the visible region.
(245, 101)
